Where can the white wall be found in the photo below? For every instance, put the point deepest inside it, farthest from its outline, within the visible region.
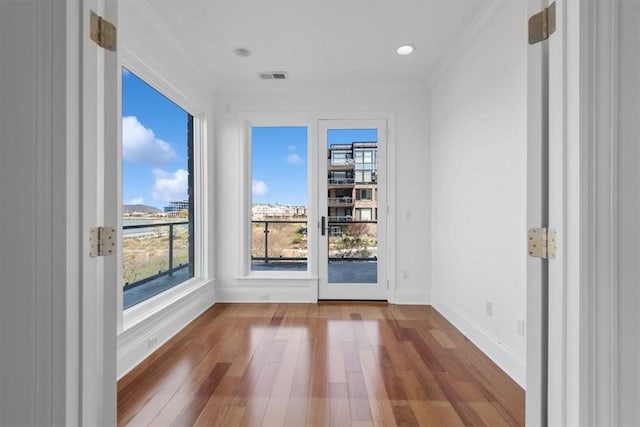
(628, 211)
(478, 187)
(412, 251)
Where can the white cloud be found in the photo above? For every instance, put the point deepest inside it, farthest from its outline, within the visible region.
(135, 201)
(259, 188)
(140, 145)
(292, 148)
(294, 159)
(170, 186)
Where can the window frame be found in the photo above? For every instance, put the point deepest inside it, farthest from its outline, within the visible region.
(249, 121)
(202, 208)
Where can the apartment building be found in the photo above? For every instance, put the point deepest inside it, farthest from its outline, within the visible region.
(352, 182)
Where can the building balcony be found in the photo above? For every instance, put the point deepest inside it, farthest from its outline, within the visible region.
(340, 218)
(341, 165)
(341, 182)
(340, 201)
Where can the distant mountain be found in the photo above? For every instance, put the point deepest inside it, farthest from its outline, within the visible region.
(129, 209)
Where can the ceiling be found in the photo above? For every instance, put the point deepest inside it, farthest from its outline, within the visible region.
(319, 43)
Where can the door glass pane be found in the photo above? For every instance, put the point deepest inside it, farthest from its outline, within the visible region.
(279, 198)
(157, 191)
(352, 226)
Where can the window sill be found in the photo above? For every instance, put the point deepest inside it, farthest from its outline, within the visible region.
(143, 311)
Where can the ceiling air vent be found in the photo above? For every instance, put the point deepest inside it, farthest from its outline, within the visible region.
(274, 75)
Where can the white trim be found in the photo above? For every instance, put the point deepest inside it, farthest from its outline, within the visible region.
(477, 24)
(261, 290)
(98, 295)
(411, 296)
(537, 109)
(598, 322)
(503, 356)
(140, 340)
(70, 168)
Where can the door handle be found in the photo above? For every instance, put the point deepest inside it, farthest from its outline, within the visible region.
(323, 225)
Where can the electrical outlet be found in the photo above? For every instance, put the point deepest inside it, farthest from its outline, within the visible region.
(489, 308)
(264, 297)
(520, 327)
(405, 274)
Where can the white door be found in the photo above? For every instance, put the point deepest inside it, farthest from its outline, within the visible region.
(352, 207)
(99, 188)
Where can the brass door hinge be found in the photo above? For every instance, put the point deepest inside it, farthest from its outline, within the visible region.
(102, 32)
(102, 241)
(542, 243)
(542, 24)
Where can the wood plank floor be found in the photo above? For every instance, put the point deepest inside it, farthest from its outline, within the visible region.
(342, 364)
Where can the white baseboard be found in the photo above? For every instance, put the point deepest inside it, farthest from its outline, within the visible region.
(303, 294)
(268, 288)
(138, 342)
(501, 355)
(411, 296)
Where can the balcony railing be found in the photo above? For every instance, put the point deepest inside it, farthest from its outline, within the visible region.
(341, 164)
(341, 181)
(288, 240)
(340, 218)
(147, 257)
(340, 201)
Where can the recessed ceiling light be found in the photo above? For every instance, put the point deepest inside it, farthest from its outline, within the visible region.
(242, 52)
(405, 49)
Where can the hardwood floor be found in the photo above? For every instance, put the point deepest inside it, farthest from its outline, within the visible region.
(358, 364)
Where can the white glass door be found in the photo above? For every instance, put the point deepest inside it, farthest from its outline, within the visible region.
(352, 203)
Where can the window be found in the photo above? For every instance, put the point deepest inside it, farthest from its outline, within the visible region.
(364, 177)
(157, 191)
(340, 157)
(364, 194)
(363, 214)
(279, 198)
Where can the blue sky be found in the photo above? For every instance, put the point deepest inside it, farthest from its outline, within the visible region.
(154, 139)
(279, 161)
(347, 136)
(279, 165)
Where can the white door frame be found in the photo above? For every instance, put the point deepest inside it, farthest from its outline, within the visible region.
(537, 83)
(100, 127)
(581, 353)
(378, 291)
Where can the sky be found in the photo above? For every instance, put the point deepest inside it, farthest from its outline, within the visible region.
(279, 161)
(279, 165)
(154, 145)
(154, 152)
